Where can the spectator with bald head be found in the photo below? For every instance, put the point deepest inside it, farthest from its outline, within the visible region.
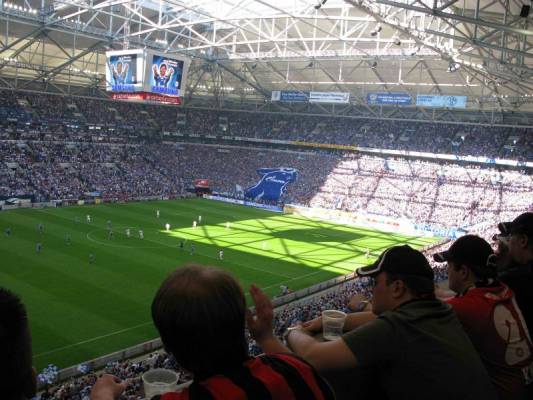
(17, 376)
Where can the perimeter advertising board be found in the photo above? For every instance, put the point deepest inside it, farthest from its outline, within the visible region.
(441, 101)
(290, 96)
(294, 96)
(396, 99)
(329, 97)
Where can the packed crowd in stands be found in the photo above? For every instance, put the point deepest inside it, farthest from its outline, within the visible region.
(427, 192)
(419, 191)
(117, 120)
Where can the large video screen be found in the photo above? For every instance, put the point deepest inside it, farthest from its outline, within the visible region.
(124, 72)
(165, 75)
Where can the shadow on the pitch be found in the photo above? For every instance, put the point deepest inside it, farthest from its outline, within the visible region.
(318, 235)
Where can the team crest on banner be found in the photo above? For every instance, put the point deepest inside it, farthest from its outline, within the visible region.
(272, 184)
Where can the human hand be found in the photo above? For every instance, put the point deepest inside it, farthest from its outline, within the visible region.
(315, 325)
(260, 324)
(108, 387)
(355, 302)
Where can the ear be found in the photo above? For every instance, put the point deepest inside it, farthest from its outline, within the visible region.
(463, 271)
(398, 289)
(523, 241)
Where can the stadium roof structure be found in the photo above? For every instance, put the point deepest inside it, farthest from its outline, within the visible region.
(242, 50)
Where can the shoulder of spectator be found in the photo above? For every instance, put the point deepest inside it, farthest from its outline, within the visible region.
(357, 319)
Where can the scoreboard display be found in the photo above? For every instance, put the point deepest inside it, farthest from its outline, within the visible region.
(145, 75)
(166, 75)
(124, 71)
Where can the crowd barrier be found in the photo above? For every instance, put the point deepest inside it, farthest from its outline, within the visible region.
(82, 202)
(101, 362)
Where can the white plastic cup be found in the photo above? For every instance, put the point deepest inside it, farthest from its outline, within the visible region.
(332, 324)
(159, 381)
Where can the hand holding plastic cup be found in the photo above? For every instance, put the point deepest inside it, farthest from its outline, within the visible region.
(159, 381)
(332, 324)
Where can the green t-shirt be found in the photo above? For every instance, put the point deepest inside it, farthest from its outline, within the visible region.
(421, 352)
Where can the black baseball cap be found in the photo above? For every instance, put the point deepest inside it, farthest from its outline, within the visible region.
(402, 260)
(523, 224)
(469, 249)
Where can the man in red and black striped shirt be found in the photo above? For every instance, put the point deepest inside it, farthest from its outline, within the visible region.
(200, 314)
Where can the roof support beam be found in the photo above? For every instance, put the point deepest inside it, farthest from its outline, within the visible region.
(32, 35)
(53, 72)
(457, 17)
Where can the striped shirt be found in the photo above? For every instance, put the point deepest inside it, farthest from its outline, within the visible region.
(267, 377)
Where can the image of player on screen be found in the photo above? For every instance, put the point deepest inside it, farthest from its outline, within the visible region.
(162, 74)
(119, 72)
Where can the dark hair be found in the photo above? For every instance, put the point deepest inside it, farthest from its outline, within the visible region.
(420, 287)
(199, 312)
(16, 373)
(481, 272)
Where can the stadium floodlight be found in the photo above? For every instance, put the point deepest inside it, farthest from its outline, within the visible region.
(414, 50)
(376, 30)
(452, 67)
(319, 3)
(374, 64)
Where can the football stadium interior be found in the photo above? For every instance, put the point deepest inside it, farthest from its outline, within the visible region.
(288, 142)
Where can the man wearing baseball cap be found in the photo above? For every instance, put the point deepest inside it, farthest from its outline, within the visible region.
(415, 344)
(489, 314)
(515, 252)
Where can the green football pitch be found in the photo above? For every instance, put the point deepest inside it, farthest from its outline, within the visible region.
(79, 310)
